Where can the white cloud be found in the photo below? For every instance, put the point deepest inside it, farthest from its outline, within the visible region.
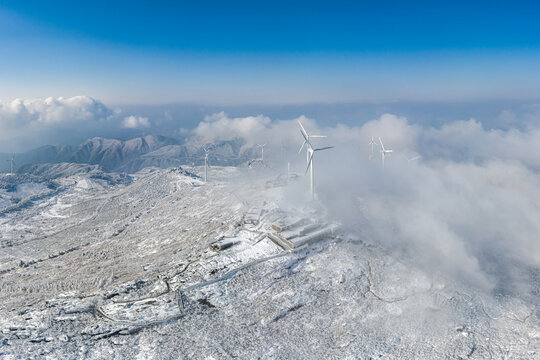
(136, 122)
(468, 207)
(221, 127)
(252, 129)
(20, 113)
(29, 123)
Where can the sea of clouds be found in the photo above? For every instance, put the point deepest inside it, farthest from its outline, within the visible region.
(467, 206)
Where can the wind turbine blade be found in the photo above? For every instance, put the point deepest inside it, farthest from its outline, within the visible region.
(306, 138)
(304, 135)
(324, 148)
(318, 136)
(382, 146)
(309, 163)
(302, 129)
(301, 147)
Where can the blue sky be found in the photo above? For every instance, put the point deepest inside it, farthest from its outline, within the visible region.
(240, 52)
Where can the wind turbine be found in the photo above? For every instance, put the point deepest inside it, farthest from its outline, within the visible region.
(262, 151)
(384, 152)
(372, 143)
(12, 161)
(306, 142)
(412, 159)
(310, 151)
(206, 152)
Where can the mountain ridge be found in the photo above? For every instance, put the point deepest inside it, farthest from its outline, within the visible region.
(133, 154)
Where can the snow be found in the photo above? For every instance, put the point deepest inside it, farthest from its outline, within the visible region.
(126, 271)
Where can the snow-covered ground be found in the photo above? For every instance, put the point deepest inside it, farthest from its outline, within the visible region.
(172, 267)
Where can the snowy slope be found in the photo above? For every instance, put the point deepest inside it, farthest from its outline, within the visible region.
(127, 271)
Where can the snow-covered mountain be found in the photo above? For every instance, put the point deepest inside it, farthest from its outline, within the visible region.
(108, 153)
(134, 154)
(45, 172)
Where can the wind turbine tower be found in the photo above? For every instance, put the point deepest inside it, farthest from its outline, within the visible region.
(384, 152)
(206, 152)
(12, 161)
(372, 143)
(262, 151)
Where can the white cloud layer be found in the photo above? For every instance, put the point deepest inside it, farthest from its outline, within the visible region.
(252, 129)
(136, 122)
(32, 112)
(27, 124)
(221, 127)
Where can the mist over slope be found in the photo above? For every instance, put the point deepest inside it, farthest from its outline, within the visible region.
(459, 199)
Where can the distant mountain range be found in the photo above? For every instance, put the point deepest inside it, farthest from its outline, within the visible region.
(132, 155)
